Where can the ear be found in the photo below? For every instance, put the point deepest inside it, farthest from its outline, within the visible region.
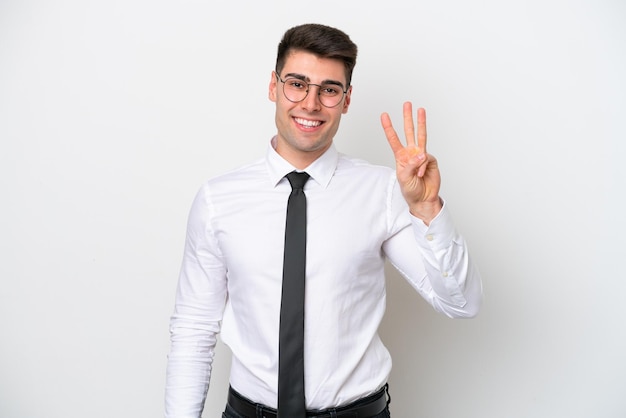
(273, 87)
(346, 101)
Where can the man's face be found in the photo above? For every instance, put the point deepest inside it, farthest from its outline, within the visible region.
(306, 129)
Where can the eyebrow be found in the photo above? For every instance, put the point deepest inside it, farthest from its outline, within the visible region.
(308, 80)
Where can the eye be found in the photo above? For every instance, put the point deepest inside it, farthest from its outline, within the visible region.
(295, 84)
(330, 90)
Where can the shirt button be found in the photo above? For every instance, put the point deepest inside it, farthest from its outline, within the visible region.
(444, 274)
(430, 237)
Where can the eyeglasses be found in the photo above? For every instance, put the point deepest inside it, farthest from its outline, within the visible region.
(296, 90)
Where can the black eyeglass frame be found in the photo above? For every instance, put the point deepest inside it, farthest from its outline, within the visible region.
(308, 89)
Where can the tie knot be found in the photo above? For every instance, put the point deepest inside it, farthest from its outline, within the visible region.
(297, 180)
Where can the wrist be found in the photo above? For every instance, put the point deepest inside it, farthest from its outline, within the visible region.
(426, 211)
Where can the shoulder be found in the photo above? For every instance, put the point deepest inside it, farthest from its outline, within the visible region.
(231, 191)
(233, 183)
(363, 169)
(376, 181)
(241, 175)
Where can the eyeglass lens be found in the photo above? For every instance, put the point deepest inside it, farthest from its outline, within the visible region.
(296, 90)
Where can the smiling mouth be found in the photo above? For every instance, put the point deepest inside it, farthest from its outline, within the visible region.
(308, 123)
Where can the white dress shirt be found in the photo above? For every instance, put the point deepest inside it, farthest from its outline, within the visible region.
(230, 280)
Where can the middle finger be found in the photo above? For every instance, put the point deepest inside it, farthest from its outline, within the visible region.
(409, 128)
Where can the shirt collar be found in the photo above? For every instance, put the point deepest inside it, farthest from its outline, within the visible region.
(320, 170)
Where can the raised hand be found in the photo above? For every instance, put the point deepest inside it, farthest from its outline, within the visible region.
(417, 171)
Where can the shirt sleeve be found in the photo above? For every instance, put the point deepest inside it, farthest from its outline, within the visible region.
(434, 259)
(195, 323)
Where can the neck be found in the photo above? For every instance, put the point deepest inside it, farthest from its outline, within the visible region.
(300, 159)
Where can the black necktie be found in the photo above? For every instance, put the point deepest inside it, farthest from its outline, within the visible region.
(291, 403)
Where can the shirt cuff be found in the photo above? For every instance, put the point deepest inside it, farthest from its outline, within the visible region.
(439, 234)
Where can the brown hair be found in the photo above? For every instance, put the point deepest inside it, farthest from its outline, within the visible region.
(323, 41)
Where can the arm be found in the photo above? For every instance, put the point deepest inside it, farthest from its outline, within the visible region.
(195, 323)
(435, 260)
(446, 276)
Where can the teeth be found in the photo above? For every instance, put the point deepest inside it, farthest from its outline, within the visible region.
(308, 123)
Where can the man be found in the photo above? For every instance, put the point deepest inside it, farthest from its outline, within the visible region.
(357, 216)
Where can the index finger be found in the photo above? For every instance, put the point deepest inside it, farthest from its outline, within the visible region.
(390, 133)
(421, 129)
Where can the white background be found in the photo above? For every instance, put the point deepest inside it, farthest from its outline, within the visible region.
(112, 114)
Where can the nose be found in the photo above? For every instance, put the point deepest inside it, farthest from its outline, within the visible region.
(312, 100)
